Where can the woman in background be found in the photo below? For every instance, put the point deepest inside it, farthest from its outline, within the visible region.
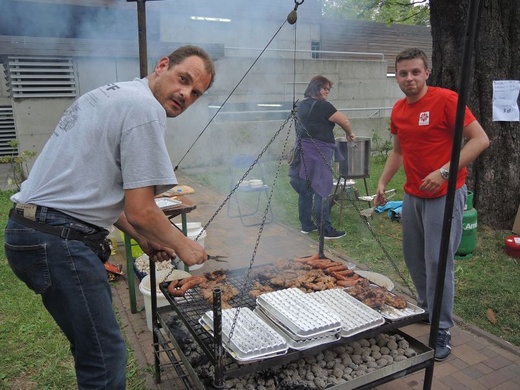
(311, 176)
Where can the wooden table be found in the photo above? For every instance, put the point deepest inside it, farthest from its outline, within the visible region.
(183, 209)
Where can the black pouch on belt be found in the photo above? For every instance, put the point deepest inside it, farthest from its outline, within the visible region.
(97, 241)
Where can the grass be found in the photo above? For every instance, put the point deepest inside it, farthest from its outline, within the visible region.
(34, 354)
(487, 280)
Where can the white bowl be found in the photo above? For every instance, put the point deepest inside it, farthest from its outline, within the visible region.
(255, 183)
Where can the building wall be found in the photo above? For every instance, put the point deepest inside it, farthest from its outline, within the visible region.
(361, 85)
(251, 69)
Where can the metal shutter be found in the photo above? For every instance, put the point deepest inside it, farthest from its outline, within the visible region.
(7, 131)
(41, 77)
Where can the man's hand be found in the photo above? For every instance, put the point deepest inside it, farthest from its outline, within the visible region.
(191, 252)
(433, 182)
(380, 199)
(157, 252)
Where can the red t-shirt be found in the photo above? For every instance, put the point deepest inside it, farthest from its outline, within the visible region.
(425, 130)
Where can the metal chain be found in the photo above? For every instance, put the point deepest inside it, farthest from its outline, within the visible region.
(247, 280)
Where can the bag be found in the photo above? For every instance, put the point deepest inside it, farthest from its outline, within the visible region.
(100, 244)
(294, 158)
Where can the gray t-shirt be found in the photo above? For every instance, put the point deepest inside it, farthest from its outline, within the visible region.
(109, 140)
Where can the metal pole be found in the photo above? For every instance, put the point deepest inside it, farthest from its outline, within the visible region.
(321, 229)
(218, 381)
(471, 26)
(141, 26)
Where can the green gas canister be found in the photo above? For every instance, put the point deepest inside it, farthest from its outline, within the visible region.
(468, 241)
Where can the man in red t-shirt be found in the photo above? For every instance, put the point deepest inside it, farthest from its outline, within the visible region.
(423, 124)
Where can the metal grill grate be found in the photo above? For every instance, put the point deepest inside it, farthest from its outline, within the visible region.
(41, 77)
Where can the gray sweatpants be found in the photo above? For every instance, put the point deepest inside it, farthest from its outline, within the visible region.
(422, 221)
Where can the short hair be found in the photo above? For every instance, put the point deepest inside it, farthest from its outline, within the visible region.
(315, 85)
(411, 54)
(183, 52)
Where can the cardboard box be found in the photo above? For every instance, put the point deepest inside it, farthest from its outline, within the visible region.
(516, 225)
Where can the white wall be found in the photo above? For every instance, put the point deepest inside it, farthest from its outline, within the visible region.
(357, 84)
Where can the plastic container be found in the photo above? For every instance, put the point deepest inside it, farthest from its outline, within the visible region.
(194, 229)
(144, 287)
(468, 241)
(134, 246)
(112, 236)
(513, 246)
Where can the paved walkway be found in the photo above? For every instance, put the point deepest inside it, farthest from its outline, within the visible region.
(479, 361)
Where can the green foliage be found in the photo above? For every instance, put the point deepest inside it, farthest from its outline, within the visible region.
(381, 147)
(19, 164)
(412, 12)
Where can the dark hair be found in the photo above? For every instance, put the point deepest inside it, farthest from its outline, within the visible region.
(315, 85)
(183, 52)
(411, 54)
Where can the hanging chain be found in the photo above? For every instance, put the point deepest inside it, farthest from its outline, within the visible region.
(247, 280)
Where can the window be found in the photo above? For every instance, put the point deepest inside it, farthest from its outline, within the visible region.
(315, 48)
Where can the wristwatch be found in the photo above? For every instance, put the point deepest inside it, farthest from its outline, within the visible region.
(444, 173)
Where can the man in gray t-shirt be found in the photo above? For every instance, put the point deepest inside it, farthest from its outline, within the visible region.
(102, 166)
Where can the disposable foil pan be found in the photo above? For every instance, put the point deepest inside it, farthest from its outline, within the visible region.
(393, 314)
(355, 316)
(252, 338)
(303, 316)
(296, 342)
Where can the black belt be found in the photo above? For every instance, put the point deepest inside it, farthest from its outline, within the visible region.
(60, 231)
(96, 241)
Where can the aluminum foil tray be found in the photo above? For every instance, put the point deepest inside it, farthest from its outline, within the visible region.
(302, 316)
(393, 314)
(252, 338)
(297, 343)
(355, 316)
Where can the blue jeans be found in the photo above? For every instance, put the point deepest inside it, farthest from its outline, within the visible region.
(310, 217)
(73, 284)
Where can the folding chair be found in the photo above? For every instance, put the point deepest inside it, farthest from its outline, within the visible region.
(251, 194)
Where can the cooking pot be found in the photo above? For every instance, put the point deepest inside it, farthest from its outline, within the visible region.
(353, 157)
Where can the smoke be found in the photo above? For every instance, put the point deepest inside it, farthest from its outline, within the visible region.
(39, 19)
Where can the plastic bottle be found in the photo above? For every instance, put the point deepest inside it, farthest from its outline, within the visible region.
(112, 236)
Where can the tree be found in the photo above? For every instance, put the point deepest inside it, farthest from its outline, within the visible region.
(495, 175)
(415, 12)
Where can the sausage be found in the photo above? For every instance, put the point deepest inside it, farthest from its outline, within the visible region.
(307, 259)
(180, 287)
(337, 268)
(172, 287)
(347, 272)
(338, 276)
(347, 283)
(322, 263)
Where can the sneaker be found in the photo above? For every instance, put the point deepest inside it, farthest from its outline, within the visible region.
(443, 345)
(334, 234)
(309, 231)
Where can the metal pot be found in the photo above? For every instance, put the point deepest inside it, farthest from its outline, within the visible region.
(353, 157)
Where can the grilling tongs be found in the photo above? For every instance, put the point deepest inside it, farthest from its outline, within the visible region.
(220, 258)
(370, 198)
